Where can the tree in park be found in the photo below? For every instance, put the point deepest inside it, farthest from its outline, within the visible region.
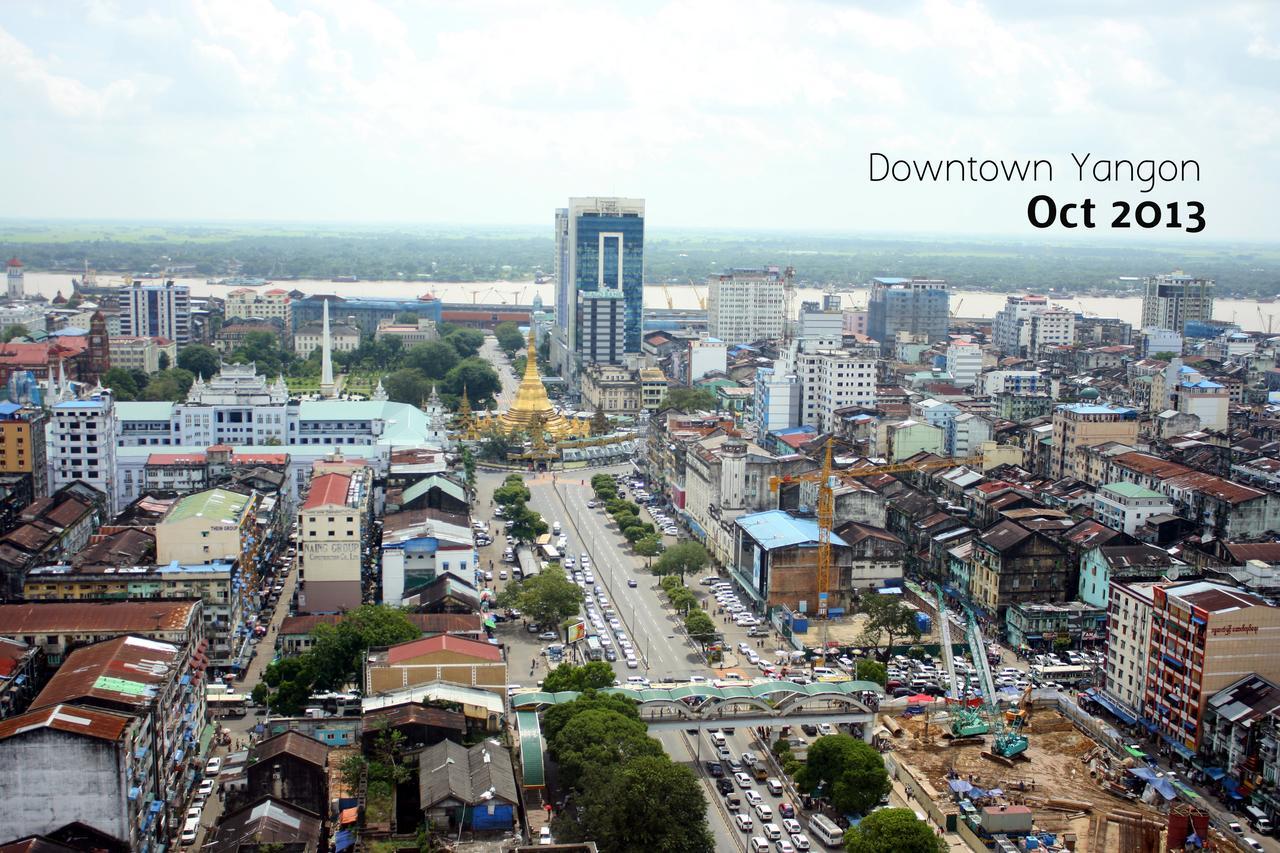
(434, 358)
(647, 547)
(547, 598)
(888, 617)
(407, 385)
(636, 532)
(699, 627)
(872, 670)
(121, 383)
(647, 803)
(689, 400)
(682, 559)
(595, 675)
(892, 831)
(557, 716)
(466, 342)
(509, 338)
(599, 739)
(168, 385)
(847, 771)
(478, 378)
(203, 361)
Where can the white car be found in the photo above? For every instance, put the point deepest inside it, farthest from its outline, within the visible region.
(744, 782)
(792, 826)
(743, 821)
(213, 766)
(765, 813)
(1252, 843)
(752, 795)
(205, 789)
(800, 841)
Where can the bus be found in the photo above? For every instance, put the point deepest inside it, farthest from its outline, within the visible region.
(226, 705)
(595, 651)
(549, 553)
(337, 704)
(1062, 674)
(825, 830)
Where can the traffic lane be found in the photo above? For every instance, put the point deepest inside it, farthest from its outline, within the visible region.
(681, 750)
(611, 567)
(670, 654)
(739, 742)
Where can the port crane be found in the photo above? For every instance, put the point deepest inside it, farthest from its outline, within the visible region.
(827, 479)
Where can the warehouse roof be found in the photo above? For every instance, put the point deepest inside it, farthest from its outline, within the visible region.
(779, 529)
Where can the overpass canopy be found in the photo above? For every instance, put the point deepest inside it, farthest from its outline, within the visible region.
(768, 691)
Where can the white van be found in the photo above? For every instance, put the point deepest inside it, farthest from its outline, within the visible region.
(824, 829)
(555, 528)
(189, 831)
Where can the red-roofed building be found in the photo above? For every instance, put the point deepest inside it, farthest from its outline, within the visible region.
(334, 525)
(447, 658)
(43, 358)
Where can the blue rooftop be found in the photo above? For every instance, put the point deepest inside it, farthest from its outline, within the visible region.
(7, 409)
(779, 529)
(80, 404)
(796, 430)
(892, 280)
(1203, 383)
(1096, 409)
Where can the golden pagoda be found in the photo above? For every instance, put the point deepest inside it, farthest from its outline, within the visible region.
(532, 409)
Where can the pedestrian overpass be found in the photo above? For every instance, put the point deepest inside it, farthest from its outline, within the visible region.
(764, 703)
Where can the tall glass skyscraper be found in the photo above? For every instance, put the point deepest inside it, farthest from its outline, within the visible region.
(599, 281)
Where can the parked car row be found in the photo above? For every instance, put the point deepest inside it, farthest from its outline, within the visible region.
(727, 598)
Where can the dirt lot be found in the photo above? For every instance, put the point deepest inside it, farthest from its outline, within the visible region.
(1055, 769)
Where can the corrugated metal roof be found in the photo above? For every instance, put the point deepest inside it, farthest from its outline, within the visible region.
(95, 617)
(779, 529)
(125, 670)
(89, 722)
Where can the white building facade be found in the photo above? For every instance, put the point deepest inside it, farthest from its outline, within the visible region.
(745, 305)
(84, 446)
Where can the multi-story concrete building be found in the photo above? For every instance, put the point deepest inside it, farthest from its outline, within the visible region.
(366, 312)
(1207, 400)
(918, 306)
(1127, 506)
(309, 337)
(964, 361)
(898, 440)
(778, 396)
(22, 444)
(1080, 425)
(25, 314)
(253, 304)
(125, 716)
(156, 311)
(1014, 564)
(410, 334)
(142, 354)
(1028, 324)
(84, 446)
(1018, 382)
(610, 388)
(745, 305)
(834, 379)
(58, 627)
(1204, 636)
(333, 524)
(599, 283)
(1171, 301)
(215, 525)
(1158, 341)
(217, 584)
(1128, 645)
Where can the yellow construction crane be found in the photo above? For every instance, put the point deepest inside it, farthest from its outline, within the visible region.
(667, 293)
(827, 479)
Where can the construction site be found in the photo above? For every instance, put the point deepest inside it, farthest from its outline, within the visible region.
(1062, 792)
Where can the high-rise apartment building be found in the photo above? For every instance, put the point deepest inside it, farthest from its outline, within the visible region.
(920, 306)
(745, 305)
(599, 282)
(84, 445)
(1171, 301)
(1028, 324)
(156, 311)
(834, 380)
(964, 361)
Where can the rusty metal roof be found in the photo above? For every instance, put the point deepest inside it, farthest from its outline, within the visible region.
(292, 743)
(89, 722)
(121, 617)
(125, 670)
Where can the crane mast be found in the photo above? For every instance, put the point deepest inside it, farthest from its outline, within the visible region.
(826, 519)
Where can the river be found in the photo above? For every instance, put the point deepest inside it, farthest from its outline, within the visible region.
(1250, 315)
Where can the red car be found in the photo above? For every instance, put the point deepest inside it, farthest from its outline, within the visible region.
(785, 809)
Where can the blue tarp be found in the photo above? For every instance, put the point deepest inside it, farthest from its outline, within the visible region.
(960, 786)
(1162, 785)
(344, 840)
(1215, 773)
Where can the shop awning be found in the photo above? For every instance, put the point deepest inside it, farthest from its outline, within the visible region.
(1215, 773)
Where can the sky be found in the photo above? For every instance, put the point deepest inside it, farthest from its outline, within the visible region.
(735, 114)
